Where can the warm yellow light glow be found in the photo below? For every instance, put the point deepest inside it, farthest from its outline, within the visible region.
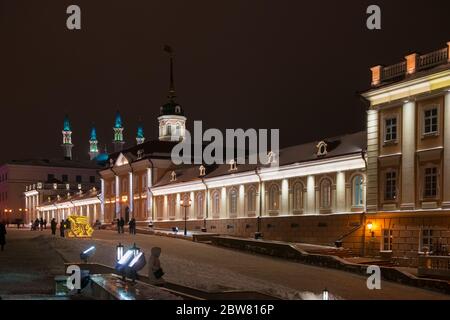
(370, 226)
(79, 227)
(124, 198)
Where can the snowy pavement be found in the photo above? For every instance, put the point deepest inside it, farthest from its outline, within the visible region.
(213, 268)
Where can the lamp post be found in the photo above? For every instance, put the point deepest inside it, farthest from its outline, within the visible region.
(135, 249)
(185, 203)
(119, 250)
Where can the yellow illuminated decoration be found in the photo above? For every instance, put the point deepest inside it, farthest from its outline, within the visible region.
(79, 227)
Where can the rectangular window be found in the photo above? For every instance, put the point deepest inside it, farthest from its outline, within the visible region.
(50, 177)
(78, 179)
(426, 243)
(390, 192)
(390, 130)
(92, 179)
(430, 183)
(65, 178)
(430, 121)
(387, 240)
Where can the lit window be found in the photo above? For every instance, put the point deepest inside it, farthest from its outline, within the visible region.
(274, 194)
(387, 240)
(390, 192)
(251, 200)
(325, 194)
(172, 205)
(216, 203)
(426, 243)
(199, 205)
(430, 183)
(233, 201)
(358, 191)
(298, 196)
(390, 130)
(430, 121)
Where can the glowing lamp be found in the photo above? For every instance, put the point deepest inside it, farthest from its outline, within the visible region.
(370, 226)
(124, 261)
(135, 249)
(325, 295)
(88, 253)
(119, 251)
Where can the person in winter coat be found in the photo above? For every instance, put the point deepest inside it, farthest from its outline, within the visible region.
(62, 228)
(155, 271)
(2, 235)
(53, 226)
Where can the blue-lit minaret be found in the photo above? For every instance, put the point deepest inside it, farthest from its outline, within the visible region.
(67, 139)
(93, 144)
(118, 141)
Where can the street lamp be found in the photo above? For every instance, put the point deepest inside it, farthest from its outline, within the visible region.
(135, 249)
(325, 295)
(119, 250)
(185, 203)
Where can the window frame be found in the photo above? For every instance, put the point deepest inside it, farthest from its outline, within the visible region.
(274, 193)
(436, 182)
(386, 127)
(297, 185)
(390, 238)
(426, 109)
(233, 201)
(361, 191)
(394, 198)
(322, 196)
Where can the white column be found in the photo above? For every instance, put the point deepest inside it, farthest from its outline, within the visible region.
(149, 194)
(284, 197)
(165, 211)
(446, 164)
(311, 195)
(340, 192)
(117, 196)
(88, 213)
(130, 194)
(102, 201)
(223, 203)
(241, 207)
(191, 208)
(408, 155)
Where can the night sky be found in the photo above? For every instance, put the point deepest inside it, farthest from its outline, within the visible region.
(293, 65)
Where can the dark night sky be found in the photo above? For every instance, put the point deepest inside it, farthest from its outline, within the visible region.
(293, 65)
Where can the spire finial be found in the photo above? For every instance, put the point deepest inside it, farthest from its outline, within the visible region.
(171, 96)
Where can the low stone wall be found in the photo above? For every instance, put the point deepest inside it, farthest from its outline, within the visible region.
(326, 229)
(283, 250)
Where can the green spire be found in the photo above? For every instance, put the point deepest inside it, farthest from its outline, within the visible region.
(66, 123)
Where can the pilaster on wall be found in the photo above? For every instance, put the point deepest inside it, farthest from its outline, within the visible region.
(311, 200)
(408, 155)
(446, 166)
(284, 197)
(372, 160)
(340, 192)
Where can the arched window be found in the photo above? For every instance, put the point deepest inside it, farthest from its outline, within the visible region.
(251, 199)
(325, 194)
(178, 130)
(169, 129)
(160, 207)
(199, 205)
(274, 195)
(358, 191)
(216, 203)
(297, 193)
(186, 197)
(233, 200)
(172, 205)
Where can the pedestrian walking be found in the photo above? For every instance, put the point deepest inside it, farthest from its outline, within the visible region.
(2, 235)
(62, 228)
(45, 223)
(122, 224)
(53, 226)
(132, 226)
(41, 223)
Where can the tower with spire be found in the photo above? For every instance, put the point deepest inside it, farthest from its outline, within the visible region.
(93, 144)
(172, 122)
(67, 139)
(118, 141)
(140, 134)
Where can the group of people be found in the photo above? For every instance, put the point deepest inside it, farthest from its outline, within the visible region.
(39, 224)
(121, 225)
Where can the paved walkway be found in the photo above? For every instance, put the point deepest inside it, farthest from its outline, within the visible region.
(208, 267)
